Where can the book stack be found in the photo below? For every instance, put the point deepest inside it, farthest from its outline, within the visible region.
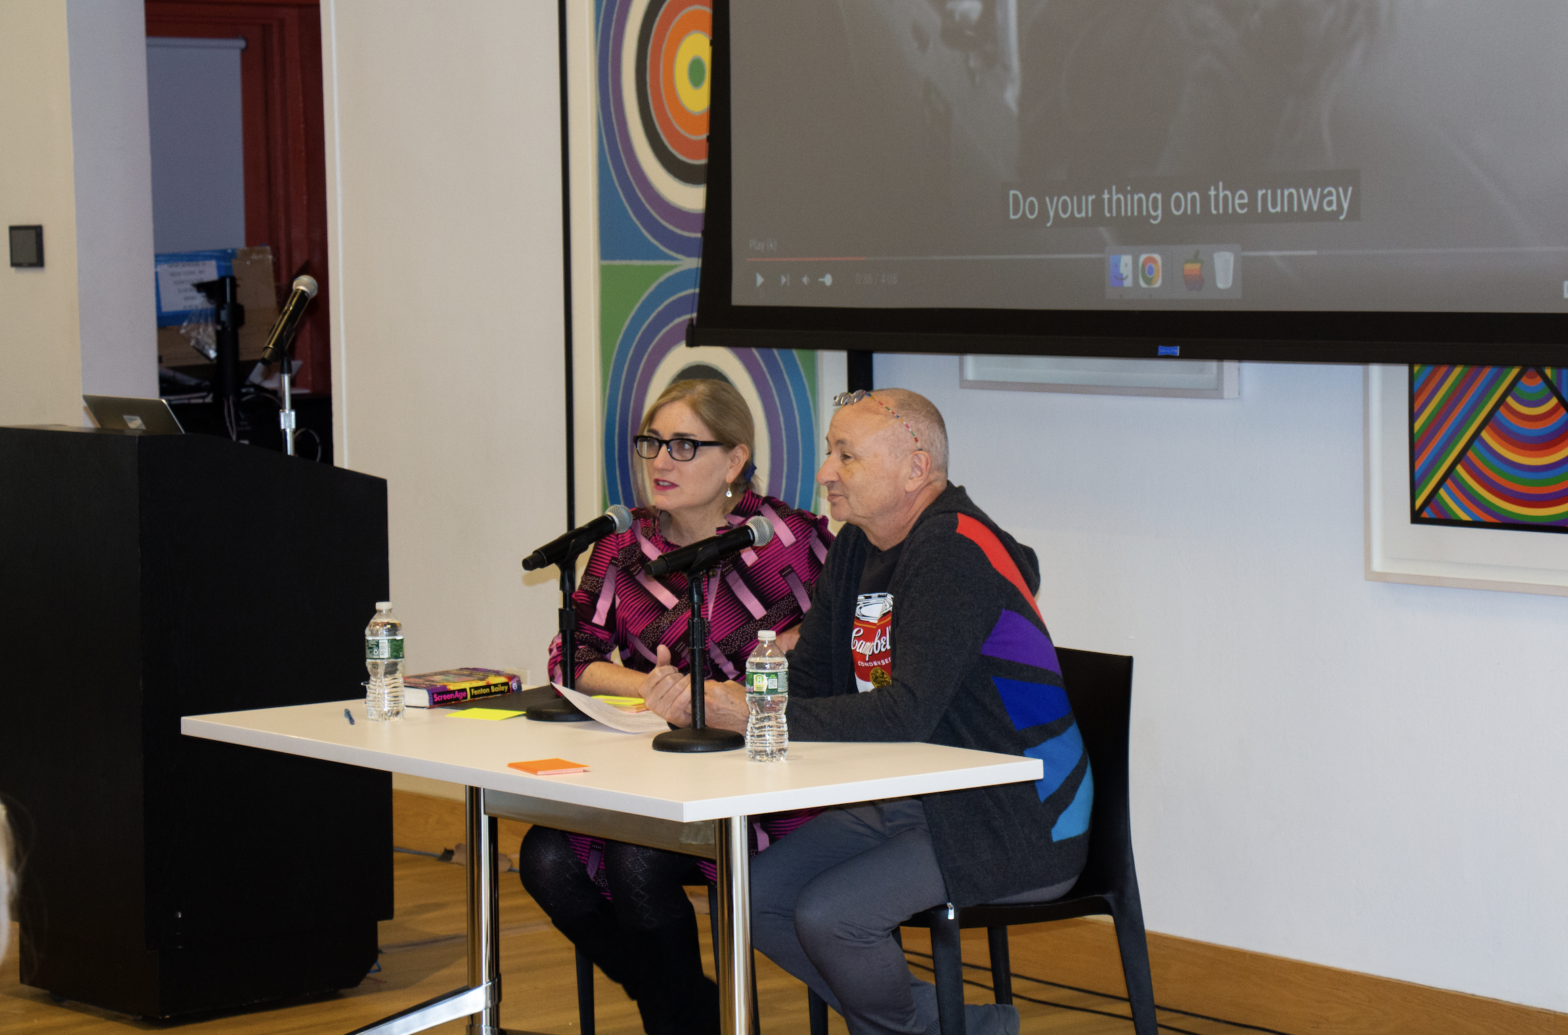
(458, 686)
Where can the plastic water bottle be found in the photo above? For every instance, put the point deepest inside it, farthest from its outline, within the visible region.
(767, 695)
(384, 661)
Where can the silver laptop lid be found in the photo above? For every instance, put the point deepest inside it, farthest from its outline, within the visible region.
(115, 413)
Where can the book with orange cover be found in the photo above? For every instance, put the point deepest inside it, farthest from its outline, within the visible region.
(549, 767)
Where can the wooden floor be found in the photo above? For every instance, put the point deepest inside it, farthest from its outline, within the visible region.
(423, 956)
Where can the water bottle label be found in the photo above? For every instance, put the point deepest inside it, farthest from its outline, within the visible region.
(379, 649)
(768, 682)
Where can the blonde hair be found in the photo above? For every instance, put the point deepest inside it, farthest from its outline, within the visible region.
(718, 405)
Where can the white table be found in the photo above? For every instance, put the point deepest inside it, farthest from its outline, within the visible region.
(698, 804)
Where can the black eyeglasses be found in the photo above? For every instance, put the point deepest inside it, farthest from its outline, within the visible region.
(648, 446)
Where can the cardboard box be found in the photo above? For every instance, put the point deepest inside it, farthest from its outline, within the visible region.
(252, 268)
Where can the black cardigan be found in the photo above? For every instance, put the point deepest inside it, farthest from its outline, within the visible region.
(948, 598)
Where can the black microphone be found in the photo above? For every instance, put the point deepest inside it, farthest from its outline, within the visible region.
(563, 548)
(701, 556)
(282, 334)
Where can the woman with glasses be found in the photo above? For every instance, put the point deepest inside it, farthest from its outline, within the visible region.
(625, 906)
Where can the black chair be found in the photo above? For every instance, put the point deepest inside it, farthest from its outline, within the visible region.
(1099, 686)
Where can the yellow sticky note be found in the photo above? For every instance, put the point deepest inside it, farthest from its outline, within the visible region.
(485, 713)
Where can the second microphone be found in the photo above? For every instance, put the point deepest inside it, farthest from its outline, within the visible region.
(700, 556)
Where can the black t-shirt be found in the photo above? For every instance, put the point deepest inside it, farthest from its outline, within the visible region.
(871, 640)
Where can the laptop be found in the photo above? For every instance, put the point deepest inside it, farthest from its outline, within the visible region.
(151, 416)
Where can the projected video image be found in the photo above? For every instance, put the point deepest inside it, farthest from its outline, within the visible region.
(1368, 155)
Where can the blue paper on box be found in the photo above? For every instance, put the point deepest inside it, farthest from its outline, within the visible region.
(178, 272)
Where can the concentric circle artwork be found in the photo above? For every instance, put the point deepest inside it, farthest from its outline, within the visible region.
(674, 50)
(651, 353)
(655, 74)
(655, 80)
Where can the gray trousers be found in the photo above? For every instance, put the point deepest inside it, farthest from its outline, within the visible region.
(826, 900)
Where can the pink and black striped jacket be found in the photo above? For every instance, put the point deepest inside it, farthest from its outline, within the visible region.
(620, 607)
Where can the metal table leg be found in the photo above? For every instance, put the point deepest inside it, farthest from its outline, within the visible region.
(428, 1014)
(484, 914)
(734, 953)
(482, 998)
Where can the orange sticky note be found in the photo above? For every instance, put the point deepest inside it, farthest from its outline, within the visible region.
(548, 767)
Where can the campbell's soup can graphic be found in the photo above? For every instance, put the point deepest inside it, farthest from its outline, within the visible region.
(871, 640)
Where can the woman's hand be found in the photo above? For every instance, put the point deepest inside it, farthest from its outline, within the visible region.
(788, 638)
(605, 677)
(666, 692)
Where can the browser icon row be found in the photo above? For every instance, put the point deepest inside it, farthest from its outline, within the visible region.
(1195, 270)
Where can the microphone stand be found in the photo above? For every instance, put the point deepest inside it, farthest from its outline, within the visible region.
(280, 346)
(286, 416)
(228, 317)
(699, 737)
(558, 708)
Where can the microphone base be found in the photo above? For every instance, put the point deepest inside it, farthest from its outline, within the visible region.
(558, 709)
(709, 738)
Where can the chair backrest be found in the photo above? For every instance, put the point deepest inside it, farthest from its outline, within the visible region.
(1099, 687)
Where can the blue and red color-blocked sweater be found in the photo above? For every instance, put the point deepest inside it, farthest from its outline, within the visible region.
(972, 666)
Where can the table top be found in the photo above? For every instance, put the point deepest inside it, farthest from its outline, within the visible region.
(625, 773)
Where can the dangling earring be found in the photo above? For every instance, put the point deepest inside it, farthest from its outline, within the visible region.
(729, 492)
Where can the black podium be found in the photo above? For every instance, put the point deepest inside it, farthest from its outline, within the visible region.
(147, 577)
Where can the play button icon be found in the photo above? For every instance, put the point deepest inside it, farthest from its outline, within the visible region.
(759, 280)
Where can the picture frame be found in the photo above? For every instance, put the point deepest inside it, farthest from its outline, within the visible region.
(1397, 550)
(1099, 375)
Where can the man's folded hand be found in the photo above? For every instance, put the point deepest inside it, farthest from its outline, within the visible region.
(667, 694)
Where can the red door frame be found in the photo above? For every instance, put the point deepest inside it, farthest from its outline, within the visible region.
(285, 145)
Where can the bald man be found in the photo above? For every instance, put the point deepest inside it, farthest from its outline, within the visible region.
(923, 627)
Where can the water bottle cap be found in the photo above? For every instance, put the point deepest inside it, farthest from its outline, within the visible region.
(765, 635)
(383, 605)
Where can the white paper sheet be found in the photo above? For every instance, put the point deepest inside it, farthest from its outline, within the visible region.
(177, 284)
(613, 717)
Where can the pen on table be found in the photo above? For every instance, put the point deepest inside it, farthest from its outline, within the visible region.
(349, 716)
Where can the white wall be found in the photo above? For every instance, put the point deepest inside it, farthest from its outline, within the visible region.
(1358, 774)
(113, 174)
(74, 159)
(40, 355)
(444, 219)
